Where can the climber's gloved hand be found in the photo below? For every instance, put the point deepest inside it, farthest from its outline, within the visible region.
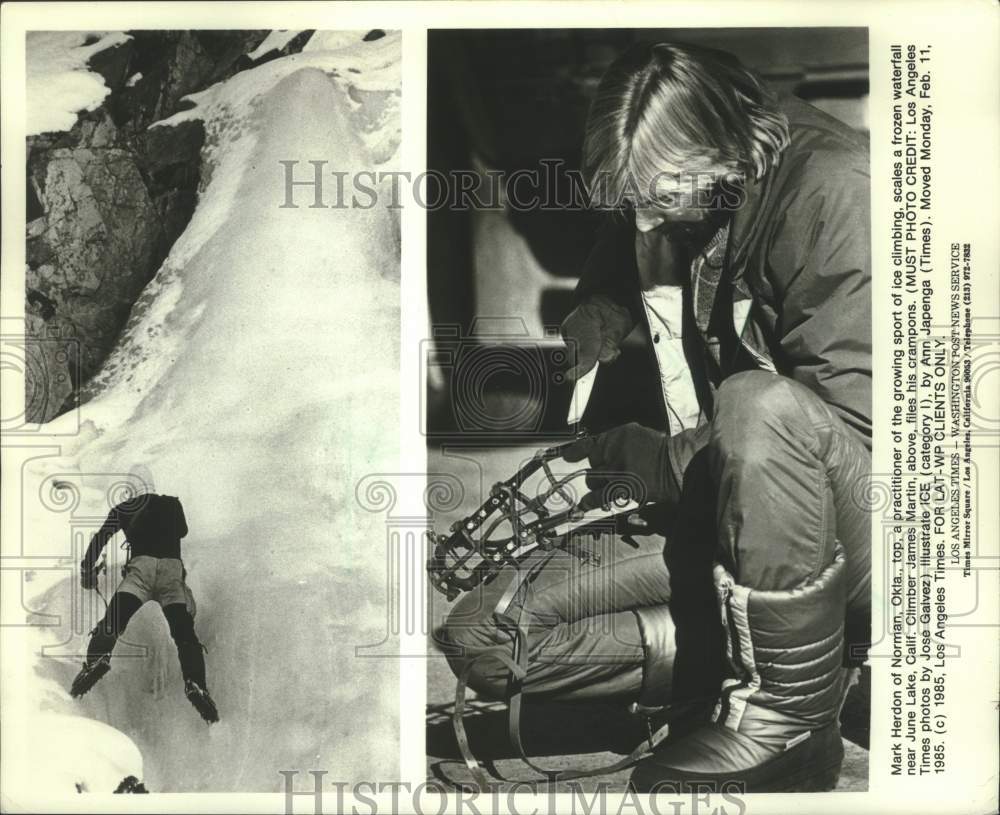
(594, 332)
(88, 576)
(630, 458)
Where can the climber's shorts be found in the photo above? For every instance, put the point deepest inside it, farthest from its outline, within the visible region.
(157, 578)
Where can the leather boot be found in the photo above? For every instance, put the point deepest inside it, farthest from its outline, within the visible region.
(93, 670)
(774, 727)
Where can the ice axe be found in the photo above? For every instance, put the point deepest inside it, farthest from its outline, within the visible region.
(100, 566)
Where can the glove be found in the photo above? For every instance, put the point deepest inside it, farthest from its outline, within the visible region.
(593, 331)
(631, 457)
(88, 577)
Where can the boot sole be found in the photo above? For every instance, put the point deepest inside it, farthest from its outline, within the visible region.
(81, 687)
(811, 766)
(206, 709)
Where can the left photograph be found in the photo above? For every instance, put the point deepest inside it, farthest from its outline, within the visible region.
(210, 358)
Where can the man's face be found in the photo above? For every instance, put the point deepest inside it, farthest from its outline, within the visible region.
(655, 216)
(676, 198)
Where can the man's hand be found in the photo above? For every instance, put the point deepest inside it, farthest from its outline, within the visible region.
(594, 331)
(88, 577)
(629, 450)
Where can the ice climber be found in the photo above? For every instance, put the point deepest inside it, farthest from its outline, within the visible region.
(153, 526)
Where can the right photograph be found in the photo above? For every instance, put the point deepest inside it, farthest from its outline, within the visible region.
(648, 409)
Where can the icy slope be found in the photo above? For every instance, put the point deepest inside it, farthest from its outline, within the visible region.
(258, 381)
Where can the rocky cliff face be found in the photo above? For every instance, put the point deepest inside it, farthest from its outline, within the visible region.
(107, 199)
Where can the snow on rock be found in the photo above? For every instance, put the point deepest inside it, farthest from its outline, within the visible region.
(51, 752)
(85, 755)
(274, 41)
(258, 381)
(333, 40)
(320, 41)
(368, 71)
(57, 80)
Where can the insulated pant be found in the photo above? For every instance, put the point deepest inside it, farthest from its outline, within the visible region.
(780, 480)
(583, 639)
(792, 479)
(121, 609)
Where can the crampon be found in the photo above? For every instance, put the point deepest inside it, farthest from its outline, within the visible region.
(510, 525)
(515, 530)
(202, 702)
(89, 675)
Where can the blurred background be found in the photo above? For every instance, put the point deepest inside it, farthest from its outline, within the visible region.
(500, 281)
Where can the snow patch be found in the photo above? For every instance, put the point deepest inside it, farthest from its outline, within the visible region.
(333, 40)
(274, 41)
(58, 83)
(84, 755)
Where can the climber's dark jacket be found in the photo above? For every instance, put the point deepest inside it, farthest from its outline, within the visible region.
(153, 526)
(799, 255)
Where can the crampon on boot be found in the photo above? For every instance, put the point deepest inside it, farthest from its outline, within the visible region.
(775, 727)
(89, 675)
(131, 785)
(202, 702)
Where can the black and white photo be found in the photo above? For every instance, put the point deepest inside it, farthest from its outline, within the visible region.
(216, 363)
(714, 302)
